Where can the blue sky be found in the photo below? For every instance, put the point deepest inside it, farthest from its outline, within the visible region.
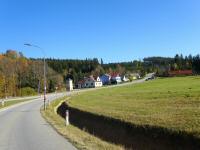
(115, 30)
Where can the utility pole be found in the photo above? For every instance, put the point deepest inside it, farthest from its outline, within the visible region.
(45, 87)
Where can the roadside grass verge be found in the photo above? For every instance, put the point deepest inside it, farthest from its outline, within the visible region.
(80, 138)
(10, 103)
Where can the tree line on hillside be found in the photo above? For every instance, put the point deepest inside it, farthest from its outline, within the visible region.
(162, 65)
(20, 76)
(77, 69)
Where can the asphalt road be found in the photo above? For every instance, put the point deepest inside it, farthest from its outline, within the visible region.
(23, 128)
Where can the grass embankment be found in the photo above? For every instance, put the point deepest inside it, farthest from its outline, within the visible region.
(159, 114)
(13, 102)
(79, 138)
(172, 103)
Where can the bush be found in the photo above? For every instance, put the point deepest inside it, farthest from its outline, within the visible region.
(27, 91)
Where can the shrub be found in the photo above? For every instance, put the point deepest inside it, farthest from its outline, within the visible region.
(27, 91)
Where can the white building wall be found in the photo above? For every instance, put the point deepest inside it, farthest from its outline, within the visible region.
(69, 85)
(98, 84)
(93, 84)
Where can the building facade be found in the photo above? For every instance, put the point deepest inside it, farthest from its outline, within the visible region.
(69, 85)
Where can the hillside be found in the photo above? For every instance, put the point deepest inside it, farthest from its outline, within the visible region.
(171, 103)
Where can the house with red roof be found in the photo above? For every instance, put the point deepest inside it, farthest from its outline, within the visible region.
(115, 78)
(180, 73)
(90, 82)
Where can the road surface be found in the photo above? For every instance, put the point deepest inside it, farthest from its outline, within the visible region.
(23, 128)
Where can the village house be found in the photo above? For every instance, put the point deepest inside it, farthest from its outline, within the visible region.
(124, 79)
(180, 73)
(90, 82)
(105, 79)
(80, 84)
(134, 76)
(115, 79)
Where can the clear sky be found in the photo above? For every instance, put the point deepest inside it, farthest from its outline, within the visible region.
(115, 30)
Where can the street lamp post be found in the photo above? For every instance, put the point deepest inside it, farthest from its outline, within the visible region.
(45, 88)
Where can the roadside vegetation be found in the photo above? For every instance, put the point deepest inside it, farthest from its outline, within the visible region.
(21, 76)
(172, 103)
(80, 138)
(13, 102)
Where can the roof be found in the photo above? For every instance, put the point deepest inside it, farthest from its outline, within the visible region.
(91, 78)
(81, 82)
(114, 75)
(180, 72)
(94, 78)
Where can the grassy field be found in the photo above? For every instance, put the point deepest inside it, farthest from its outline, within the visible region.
(172, 103)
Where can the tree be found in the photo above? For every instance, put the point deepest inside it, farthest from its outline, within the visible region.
(120, 69)
(196, 64)
(101, 61)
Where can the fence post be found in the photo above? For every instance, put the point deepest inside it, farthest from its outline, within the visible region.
(67, 118)
(2, 103)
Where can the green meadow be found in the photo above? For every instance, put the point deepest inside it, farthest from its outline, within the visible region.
(172, 103)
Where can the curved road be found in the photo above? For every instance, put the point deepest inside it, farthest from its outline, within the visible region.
(23, 128)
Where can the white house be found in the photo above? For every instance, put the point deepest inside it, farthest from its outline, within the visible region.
(98, 82)
(115, 79)
(125, 79)
(90, 82)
